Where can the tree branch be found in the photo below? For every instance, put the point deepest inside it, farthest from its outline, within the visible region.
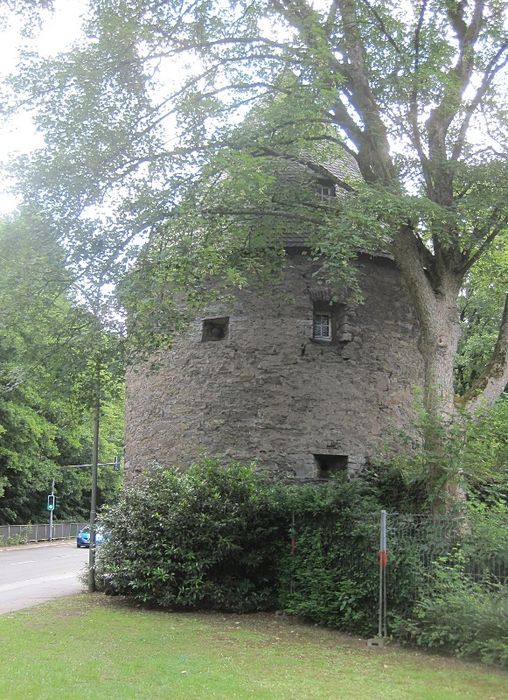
(330, 20)
(471, 259)
(456, 82)
(408, 254)
(493, 381)
(488, 76)
(314, 37)
(374, 153)
(413, 103)
(382, 26)
(344, 121)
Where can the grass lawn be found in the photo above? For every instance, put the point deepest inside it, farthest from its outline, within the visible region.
(89, 646)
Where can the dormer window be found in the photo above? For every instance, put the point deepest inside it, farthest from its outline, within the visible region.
(322, 329)
(325, 190)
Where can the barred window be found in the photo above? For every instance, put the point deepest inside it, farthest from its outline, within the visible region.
(325, 191)
(322, 326)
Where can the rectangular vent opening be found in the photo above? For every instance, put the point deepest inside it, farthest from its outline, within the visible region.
(215, 329)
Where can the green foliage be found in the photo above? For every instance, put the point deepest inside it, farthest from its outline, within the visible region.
(208, 538)
(484, 545)
(394, 491)
(129, 155)
(207, 172)
(45, 417)
(481, 307)
(217, 537)
(461, 616)
(17, 539)
(457, 599)
(469, 453)
(331, 576)
(486, 454)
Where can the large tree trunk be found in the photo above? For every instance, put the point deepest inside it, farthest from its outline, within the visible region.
(440, 335)
(438, 344)
(434, 294)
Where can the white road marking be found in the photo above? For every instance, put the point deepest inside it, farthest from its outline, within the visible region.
(36, 581)
(17, 563)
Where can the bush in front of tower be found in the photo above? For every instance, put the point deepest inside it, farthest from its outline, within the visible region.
(229, 538)
(208, 538)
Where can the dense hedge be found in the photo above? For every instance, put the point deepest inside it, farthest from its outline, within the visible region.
(331, 575)
(226, 539)
(206, 538)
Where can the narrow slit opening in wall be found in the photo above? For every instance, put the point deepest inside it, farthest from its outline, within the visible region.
(330, 464)
(215, 329)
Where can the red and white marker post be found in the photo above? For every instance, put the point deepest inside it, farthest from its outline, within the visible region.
(383, 563)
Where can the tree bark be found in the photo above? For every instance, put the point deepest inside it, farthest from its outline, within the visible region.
(434, 295)
(491, 384)
(438, 345)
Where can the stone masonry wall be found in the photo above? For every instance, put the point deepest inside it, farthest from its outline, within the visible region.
(269, 393)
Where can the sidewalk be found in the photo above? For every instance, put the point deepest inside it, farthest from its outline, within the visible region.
(35, 545)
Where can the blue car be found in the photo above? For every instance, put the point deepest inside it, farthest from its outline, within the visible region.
(83, 537)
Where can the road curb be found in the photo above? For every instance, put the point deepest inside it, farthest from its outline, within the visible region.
(35, 545)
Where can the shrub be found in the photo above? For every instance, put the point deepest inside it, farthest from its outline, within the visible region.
(220, 538)
(207, 538)
(21, 538)
(485, 546)
(331, 577)
(459, 615)
(215, 537)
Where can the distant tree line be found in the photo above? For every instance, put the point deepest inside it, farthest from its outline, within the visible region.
(48, 343)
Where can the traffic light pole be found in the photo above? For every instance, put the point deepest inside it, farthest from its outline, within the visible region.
(51, 510)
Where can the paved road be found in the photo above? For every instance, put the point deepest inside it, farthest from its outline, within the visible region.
(33, 574)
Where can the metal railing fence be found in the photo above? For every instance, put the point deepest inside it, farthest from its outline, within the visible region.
(336, 562)
(38, 532)
(426, 539)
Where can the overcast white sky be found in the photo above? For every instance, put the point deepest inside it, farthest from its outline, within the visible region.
(58, 31)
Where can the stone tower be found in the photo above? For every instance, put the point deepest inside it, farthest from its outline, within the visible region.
(293, 381)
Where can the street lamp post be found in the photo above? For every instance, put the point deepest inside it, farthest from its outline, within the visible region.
(93, 499)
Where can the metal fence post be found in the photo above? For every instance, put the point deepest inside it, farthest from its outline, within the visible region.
(383, 561)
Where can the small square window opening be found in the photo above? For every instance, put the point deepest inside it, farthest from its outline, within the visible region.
(215, 329)
(330, 464)
(322, 329)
